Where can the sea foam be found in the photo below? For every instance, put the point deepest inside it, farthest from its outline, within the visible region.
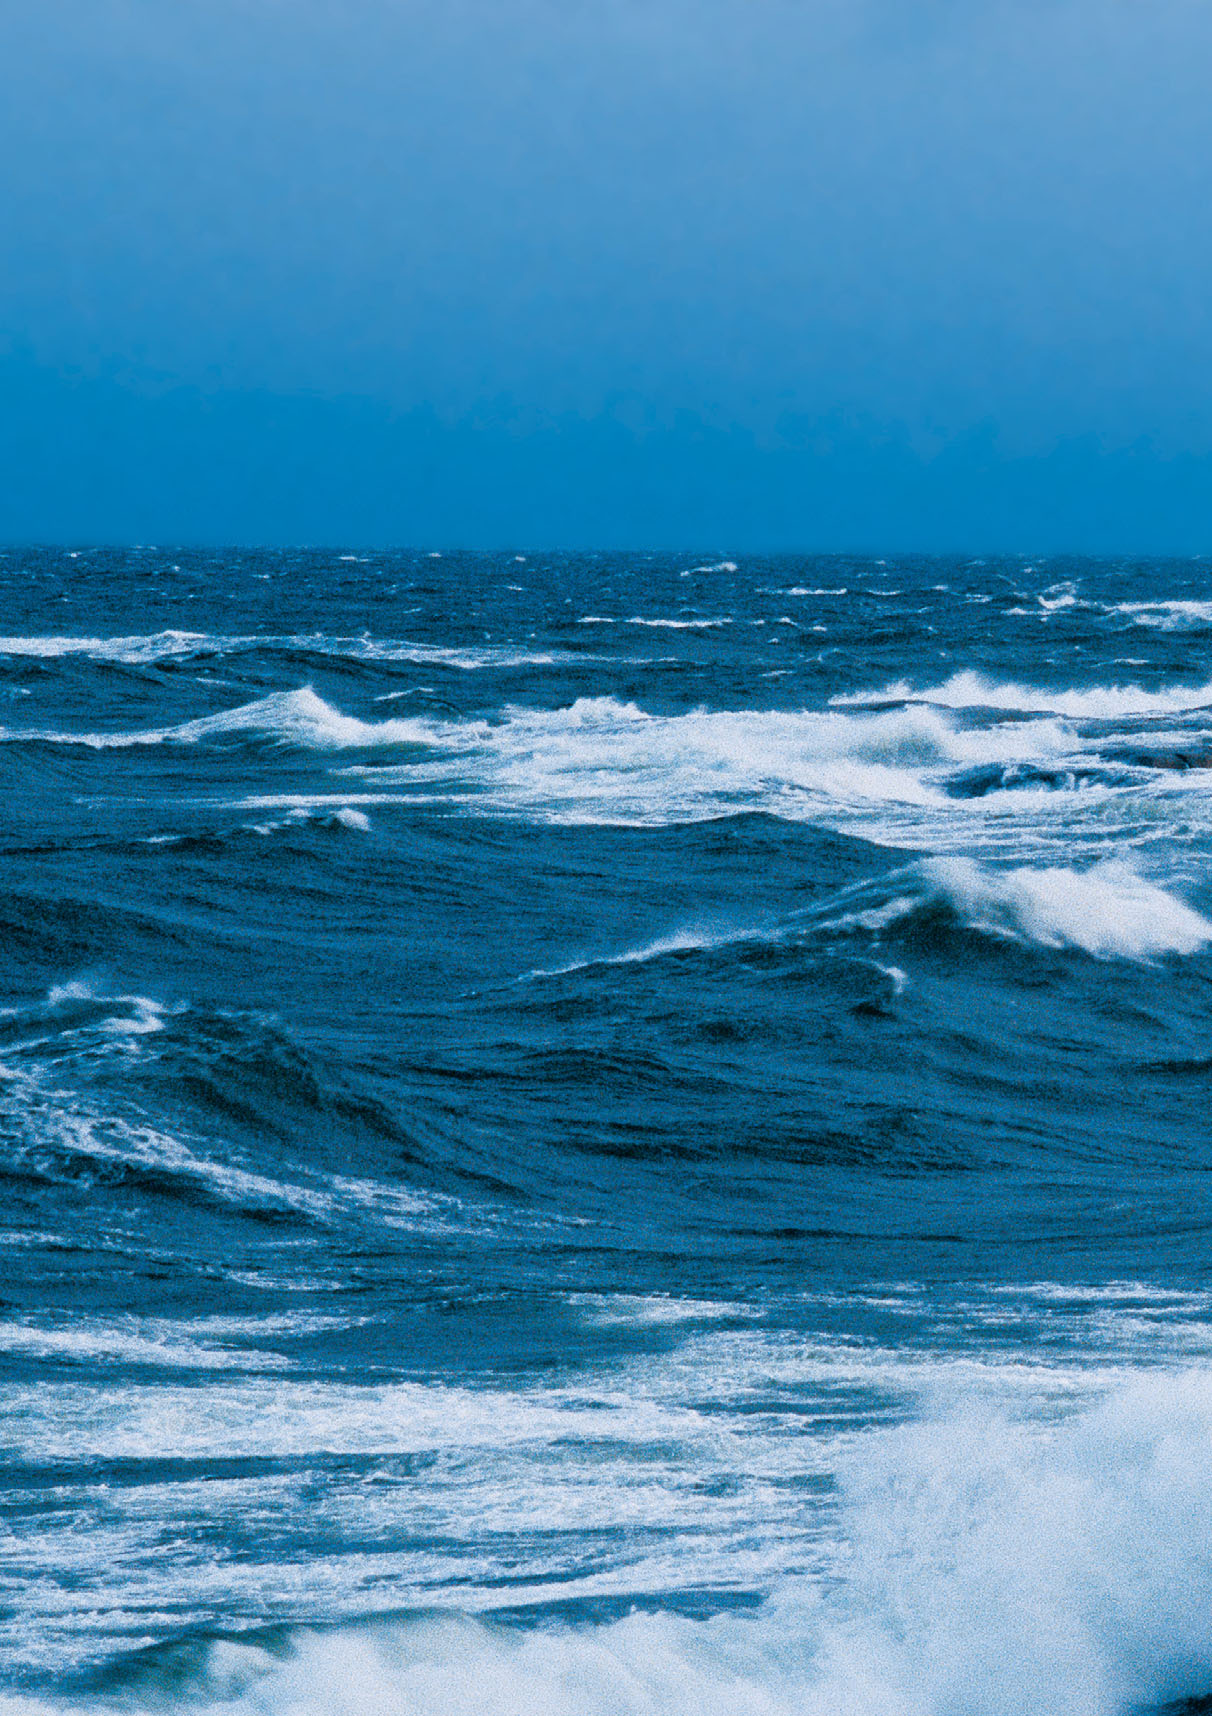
(612, 760)
(995, 1564)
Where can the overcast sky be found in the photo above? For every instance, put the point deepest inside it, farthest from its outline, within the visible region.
(803, 273)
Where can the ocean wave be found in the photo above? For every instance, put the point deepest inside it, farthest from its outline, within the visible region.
(119, 1091)
(162, 1343)
(891, 767)
(989, 1561)
(343, 816)
(330, 817)
(58, 1136)
(1108, 911)
(1058, 597)
(680, 625)
(971, 690)
(1172, 616)
(672, 625)
(1060, 1569)
(63, 1137)
(619, 762)
(298, 717)
(165, 646)
(901, 773)
(657, 1310)
(680, 941)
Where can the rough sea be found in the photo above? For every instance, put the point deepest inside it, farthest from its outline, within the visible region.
(600, 1135)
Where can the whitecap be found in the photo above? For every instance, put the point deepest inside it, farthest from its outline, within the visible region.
(291, 717)
(969, 690)
(680, 625)
(1170, 616)
(1108, 911)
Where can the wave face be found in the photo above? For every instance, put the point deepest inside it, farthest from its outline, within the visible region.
(604, 1134)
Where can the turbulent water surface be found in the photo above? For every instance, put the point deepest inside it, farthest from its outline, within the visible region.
(605, 1136)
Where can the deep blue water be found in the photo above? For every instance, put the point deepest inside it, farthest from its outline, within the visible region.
(605, 1135)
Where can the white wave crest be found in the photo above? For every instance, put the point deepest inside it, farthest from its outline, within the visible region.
(601, 759)
(341, 816)
(1057, 596)
(1096, 702)
(682, 941)
(1109, 911)
(1173, 616)
(680, 625)
(157, 646)
(299, 717)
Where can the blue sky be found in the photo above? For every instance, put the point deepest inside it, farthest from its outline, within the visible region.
(754, 273)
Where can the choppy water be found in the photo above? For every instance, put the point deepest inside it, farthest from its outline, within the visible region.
(605, 1136)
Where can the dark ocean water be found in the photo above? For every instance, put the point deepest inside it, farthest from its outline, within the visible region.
(605, 1135)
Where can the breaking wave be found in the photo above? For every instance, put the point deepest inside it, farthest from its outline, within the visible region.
(1109, 911)
(991, 1558)
(299, 717)
(613, 759)
(1175, 616)
(1096, 702)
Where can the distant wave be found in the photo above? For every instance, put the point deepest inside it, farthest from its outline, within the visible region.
(1174, 616)
(1096, 702)
(175, 645)
(680, 625)
(939, 768)
(299, 717)
(671, 625)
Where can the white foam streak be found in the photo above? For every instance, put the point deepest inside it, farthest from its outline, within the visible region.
(682, 941)
(136, 651)
(680, 625)
(151, 1341)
